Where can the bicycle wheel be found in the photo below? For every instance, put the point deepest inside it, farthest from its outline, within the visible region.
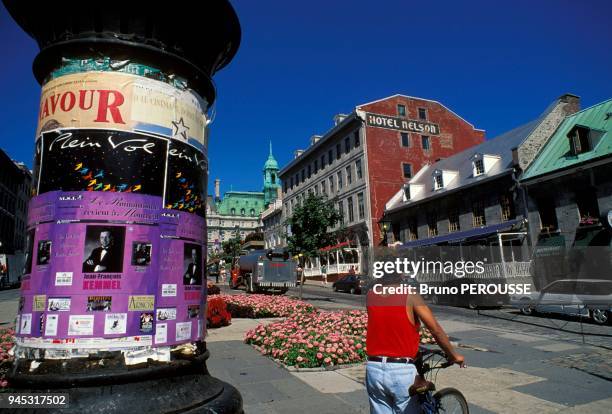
(451, 401)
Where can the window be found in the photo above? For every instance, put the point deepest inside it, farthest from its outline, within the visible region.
(438, 182)
(252, 212)
(479, 167)
(349, 203)
(356, 139)
(316, 190)
(405, 139)
(291, 185)
(303, 175)
(323, 191)
(347, 145)
(580, 140)
(309, 171)
(322, 161)
(331, 184)
(232, 212)
(401, 110)
(413, 234)
(425, 142)
(340, 184)
(316, 166)
(273, 178)
(338, 153)
(349, 175)
(422, 113)
(330, 155)
(478, 214)
(407, 192)
(358, 169)
(284, 186)
(360, 206)
(297, 179)
(242, 212)
(407, 168)
(432, 224)
(341, 210)
(586, 199)
(507, 208)
(453, 219)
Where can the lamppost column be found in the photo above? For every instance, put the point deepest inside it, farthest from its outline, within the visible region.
(113, 294)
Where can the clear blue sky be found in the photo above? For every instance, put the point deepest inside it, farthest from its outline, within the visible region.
(497, 64)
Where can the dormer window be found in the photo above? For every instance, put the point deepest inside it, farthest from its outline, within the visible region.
(438, 181)
(407, 193)
(401, 110)
(479, 168)
(583, 139)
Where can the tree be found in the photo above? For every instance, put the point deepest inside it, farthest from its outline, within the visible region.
(310, 226)
(231, 248)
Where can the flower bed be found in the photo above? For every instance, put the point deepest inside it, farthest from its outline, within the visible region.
(217, 314)
(6, 343)
(313, 340)
(264, 306)
(319, 339)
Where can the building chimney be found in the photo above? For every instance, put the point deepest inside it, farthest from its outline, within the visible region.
(339, 118)
(297, 153)
(217, 189)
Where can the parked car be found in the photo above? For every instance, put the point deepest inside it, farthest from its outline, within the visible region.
(590, 298)
(349, 283)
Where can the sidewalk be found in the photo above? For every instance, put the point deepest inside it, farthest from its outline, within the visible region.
(266, 387)
(508, 373)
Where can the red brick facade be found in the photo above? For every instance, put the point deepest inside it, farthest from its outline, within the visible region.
(386, 154)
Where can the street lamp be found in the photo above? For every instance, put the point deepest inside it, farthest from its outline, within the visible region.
(384, 225)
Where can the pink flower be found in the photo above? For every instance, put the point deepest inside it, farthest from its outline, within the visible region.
(319, 355)
(299, 359)
(327, 360)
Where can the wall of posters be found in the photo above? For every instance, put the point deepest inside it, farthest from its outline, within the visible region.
(116, 231)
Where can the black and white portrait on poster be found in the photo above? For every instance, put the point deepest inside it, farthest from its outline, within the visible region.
(27, 268)
(192, 264)
(103, 249)
(141, 253)
(44, 252)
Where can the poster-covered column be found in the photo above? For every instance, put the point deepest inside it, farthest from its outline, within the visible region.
(116, 229)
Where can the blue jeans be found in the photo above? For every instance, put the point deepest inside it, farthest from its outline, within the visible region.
(387, 384)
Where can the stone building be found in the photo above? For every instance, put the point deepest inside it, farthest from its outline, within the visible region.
(473, 197)
(15, 190)
(569, 183)
(362, 161)
(238, 213)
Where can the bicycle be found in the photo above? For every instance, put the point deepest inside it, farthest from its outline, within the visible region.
(447, 400)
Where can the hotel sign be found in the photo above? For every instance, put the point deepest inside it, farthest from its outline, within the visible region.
(402, 124)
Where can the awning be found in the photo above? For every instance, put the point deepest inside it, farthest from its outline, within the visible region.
(464, 235)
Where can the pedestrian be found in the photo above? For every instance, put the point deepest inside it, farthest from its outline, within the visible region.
(392, 345)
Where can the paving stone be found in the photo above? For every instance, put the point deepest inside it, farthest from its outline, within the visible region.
(558, 347)
(561, 393)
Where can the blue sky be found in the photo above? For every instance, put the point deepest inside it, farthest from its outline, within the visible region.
(497, 64)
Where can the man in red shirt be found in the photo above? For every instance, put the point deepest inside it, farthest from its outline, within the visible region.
(392, 345)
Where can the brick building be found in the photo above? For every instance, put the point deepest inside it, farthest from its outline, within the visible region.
(362, 161)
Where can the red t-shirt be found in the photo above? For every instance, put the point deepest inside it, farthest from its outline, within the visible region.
(390, 332)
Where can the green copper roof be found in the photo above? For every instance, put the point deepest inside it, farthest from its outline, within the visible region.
(556, 154)
(241, 203)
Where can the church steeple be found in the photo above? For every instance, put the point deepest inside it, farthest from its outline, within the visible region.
(271, 181)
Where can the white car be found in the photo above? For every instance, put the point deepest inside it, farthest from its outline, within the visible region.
(590, 298)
